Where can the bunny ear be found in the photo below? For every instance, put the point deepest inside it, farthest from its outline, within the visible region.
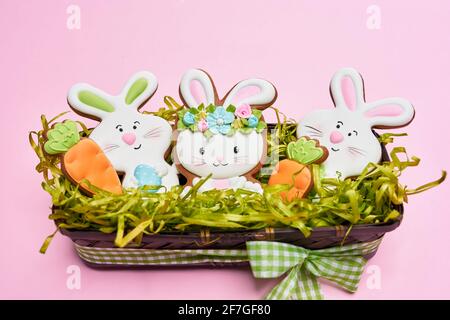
(389, 113)
(196, 87)
(242, 93)
(139, 89)
(88, 100)
(347, 89)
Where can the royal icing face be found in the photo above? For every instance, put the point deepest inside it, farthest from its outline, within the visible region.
(130, 139)
(220, 155)
(222, 137)
(346, 130)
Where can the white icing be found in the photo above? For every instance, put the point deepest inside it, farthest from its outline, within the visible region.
(148, 136)
(206, 84)
(219, 157)
(266, 94)
(349, 155)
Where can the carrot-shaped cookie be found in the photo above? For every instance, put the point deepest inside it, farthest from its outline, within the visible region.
(295, 171)
(82, 159)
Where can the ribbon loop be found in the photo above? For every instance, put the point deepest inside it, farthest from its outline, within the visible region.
(342, 265)
(269, 259)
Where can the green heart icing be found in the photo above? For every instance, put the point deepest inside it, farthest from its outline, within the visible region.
(62, 137)
(304, 151)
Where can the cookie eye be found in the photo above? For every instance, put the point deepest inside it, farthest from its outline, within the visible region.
(119, 127)
(236, 149)
(202, 151)
(135, 125)
(339, 124)
(353, 132)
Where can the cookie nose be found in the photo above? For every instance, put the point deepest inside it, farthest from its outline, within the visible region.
(336, 137)
(219, 158)
(129, 138)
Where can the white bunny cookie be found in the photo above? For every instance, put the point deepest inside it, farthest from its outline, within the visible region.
(134, 143)
(346, 130)
(222, 137)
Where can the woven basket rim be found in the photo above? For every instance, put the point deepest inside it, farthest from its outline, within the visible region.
(318, 232)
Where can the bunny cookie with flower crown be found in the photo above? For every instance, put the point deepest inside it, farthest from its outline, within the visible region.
(223, 138)
(134, 143)
(346, 130)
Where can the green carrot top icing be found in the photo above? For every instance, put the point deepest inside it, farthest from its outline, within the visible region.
(304, 151)
(62, 137)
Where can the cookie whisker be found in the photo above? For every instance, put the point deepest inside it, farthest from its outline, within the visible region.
(314, 129)
(155, 132)
(362, 151)
(356, 151)
(110, 147)
(315, 135)
(152, 136)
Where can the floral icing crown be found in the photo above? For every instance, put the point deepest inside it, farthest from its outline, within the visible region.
(213, 119)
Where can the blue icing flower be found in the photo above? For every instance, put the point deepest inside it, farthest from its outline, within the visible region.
(252, 121)
(188, 119)
(220, 121)
(147, 176)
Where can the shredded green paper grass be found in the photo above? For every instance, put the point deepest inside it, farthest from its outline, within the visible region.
(369, 199)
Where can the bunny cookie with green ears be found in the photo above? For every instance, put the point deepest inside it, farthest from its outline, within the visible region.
(135, 143)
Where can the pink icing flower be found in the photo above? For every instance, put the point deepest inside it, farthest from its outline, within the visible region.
(202, 125)
(244, 111)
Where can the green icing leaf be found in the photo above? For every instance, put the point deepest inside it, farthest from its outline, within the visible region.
(136, 90)
(93, 100)
(304, 151)
(237, 123)
(257, 113)
(246, 130)
(181, 125)
(231, 132)
(231, 108)
(261, 126)
(208, 134)
(62, 137)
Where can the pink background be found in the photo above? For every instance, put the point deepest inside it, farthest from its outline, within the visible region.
(297, 45)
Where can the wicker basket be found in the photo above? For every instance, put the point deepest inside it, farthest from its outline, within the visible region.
(320, 238)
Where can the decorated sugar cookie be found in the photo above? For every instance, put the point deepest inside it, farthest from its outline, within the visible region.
(134, 143)
(222, 137)
(82, 159)
(346, 130)
(295, 170)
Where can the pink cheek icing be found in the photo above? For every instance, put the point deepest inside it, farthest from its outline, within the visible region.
(336, 137)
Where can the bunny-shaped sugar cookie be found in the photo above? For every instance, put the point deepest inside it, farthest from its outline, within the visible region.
(222, 137)
(346, 130)
(134, 143)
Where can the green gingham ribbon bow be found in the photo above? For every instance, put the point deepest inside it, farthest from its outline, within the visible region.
(342, 265)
